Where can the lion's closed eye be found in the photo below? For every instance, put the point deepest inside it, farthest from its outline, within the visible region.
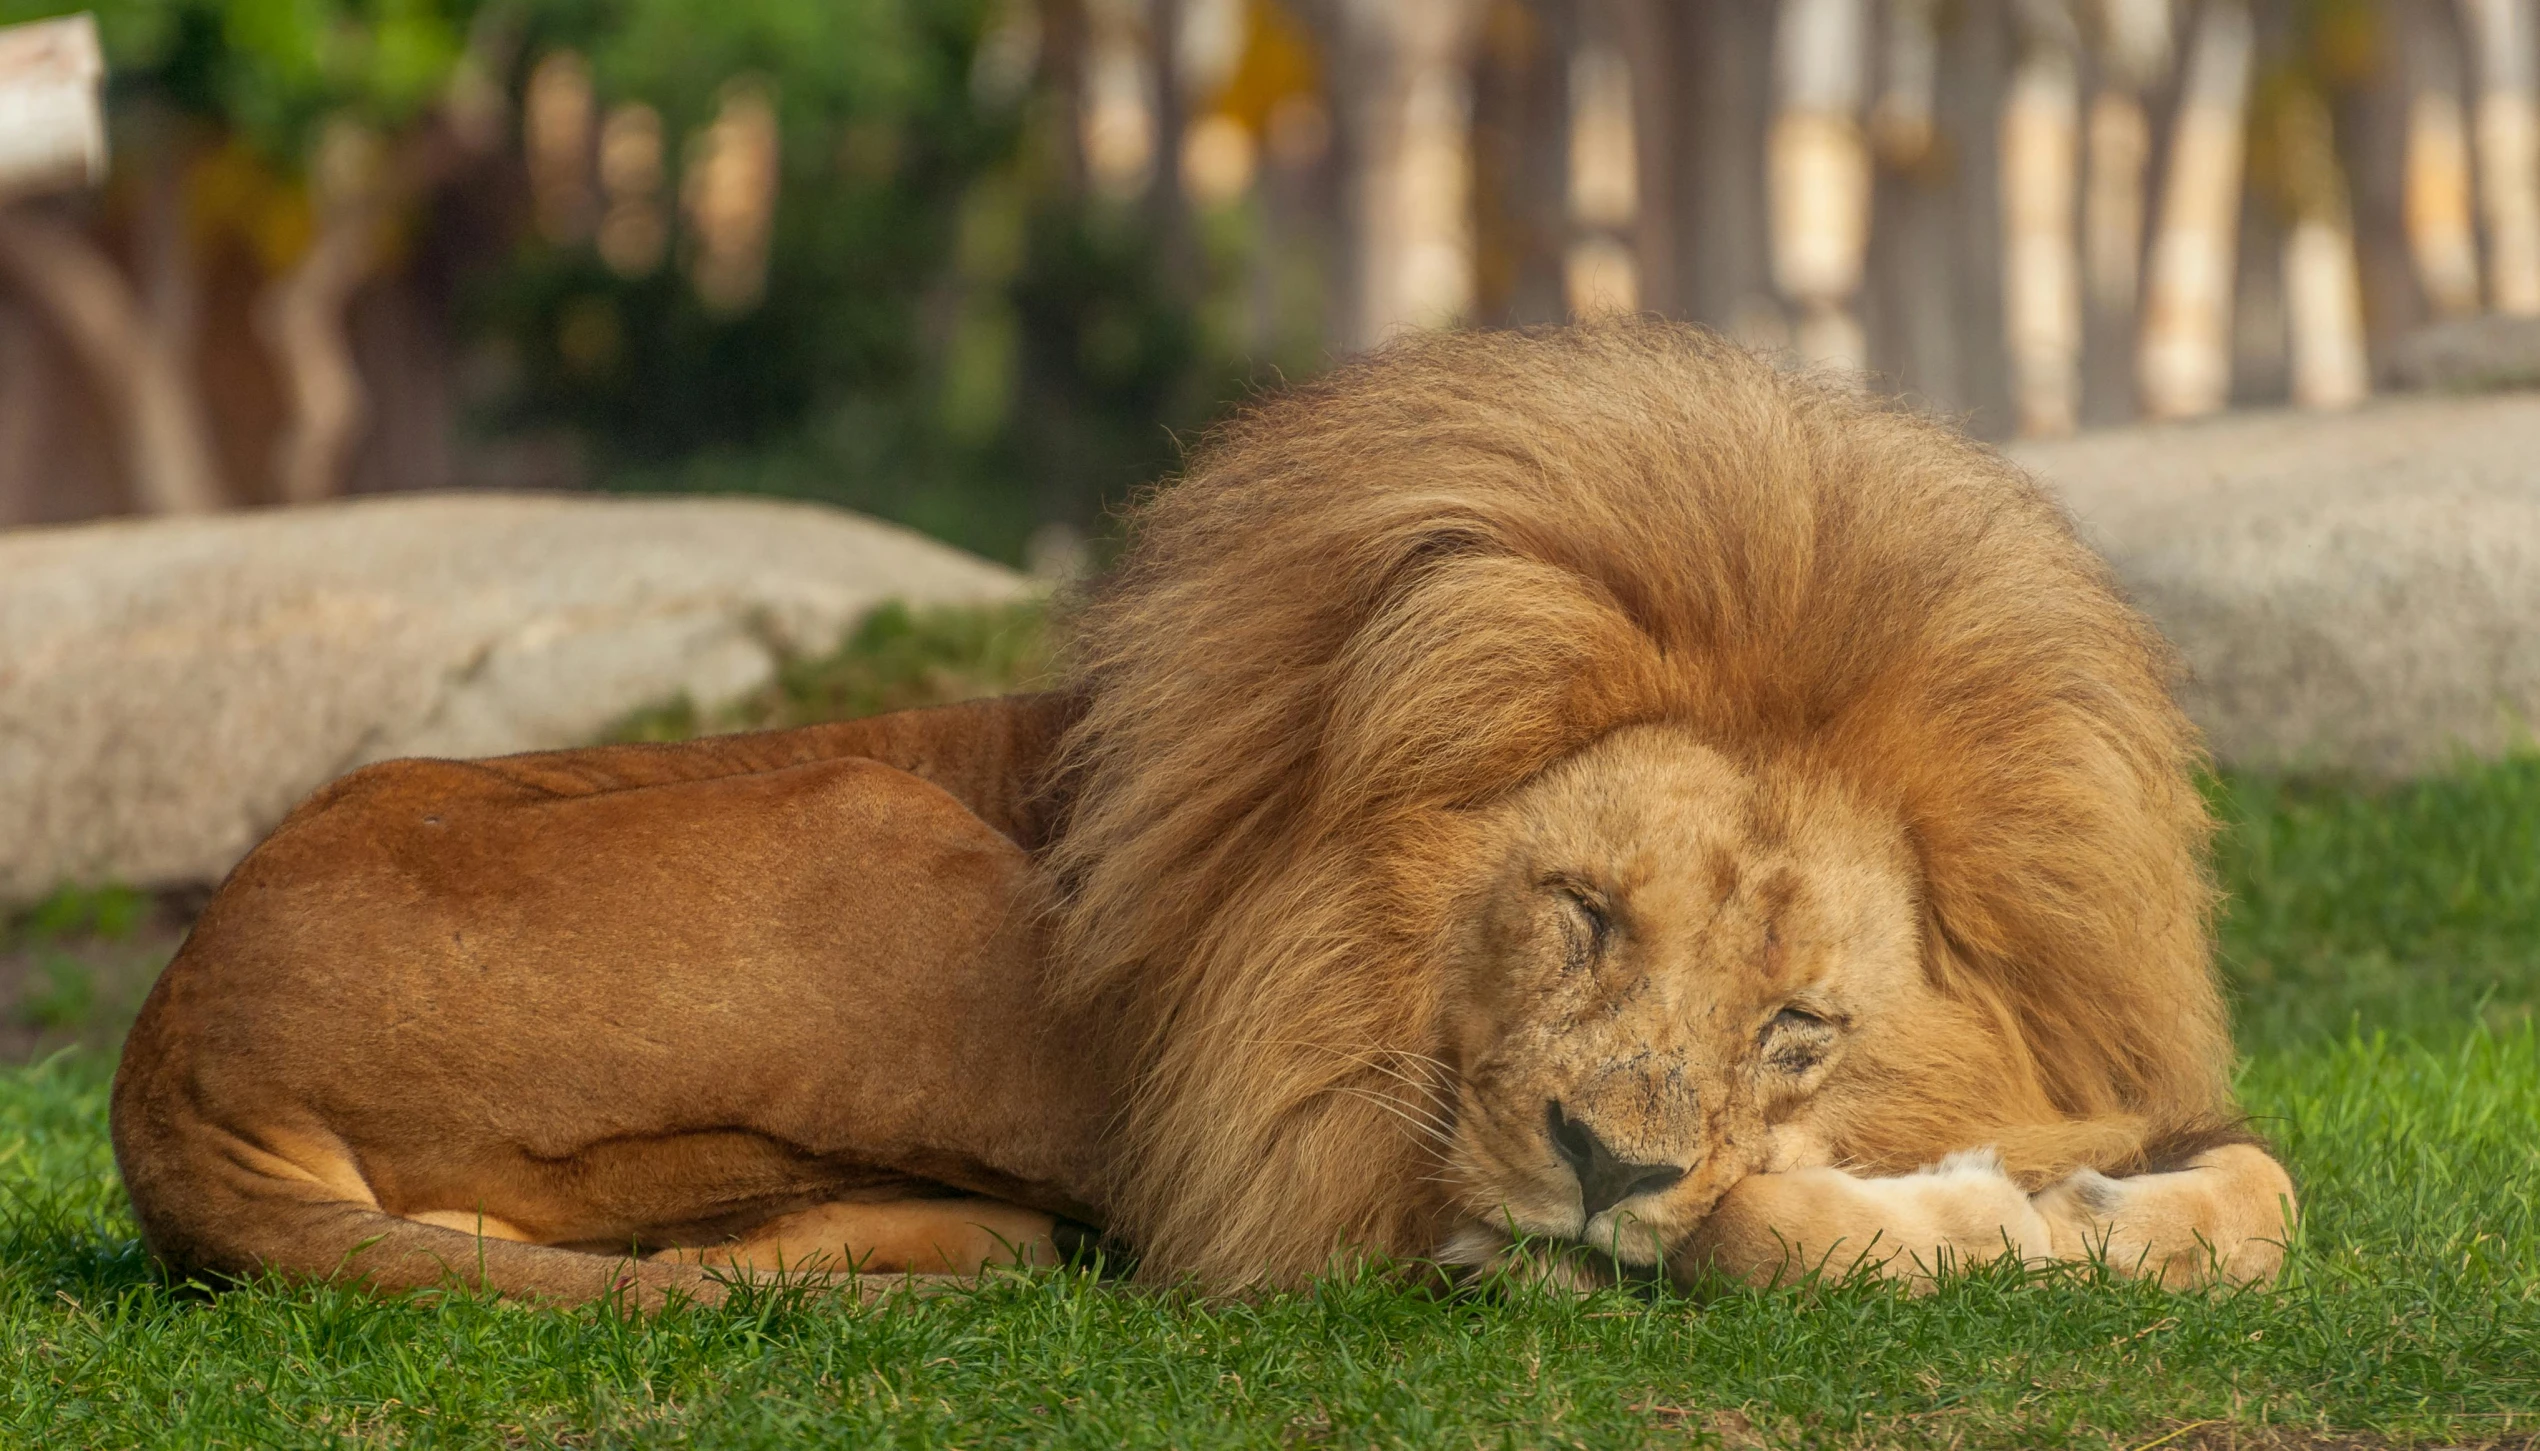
(1587, 924)
(1795, 1040)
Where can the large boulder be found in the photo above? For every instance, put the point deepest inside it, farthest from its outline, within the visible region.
(170, 687)
(2356, 591)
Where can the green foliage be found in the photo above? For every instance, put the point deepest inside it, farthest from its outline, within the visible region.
(63, 996)
(897, 659)
(952, 336)
(81, 958)
(109, 912)
(272, 68)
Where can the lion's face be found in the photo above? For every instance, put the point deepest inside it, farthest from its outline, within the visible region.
(1663, 978)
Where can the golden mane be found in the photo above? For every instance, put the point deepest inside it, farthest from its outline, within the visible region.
(1410, 586)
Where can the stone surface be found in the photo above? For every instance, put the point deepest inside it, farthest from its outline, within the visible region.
(169, 688)
(2357, 591)
(2473, 355)
(2354, 591)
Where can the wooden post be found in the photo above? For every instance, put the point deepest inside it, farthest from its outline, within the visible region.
(52, 130)
(52, 136)
(1413, 160)
(1903, 120)
(1120, 101)
(2324, 307)
(1818, 173)
(1602, 272)
(2134, 53)
(2185, 359)
(2041, 283)
(556, 132)
(2436, 192)
(2500, 36)
(729, 194)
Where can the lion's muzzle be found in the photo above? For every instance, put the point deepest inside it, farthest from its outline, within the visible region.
(1605, 1177)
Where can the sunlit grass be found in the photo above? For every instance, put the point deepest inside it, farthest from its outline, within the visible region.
(2385, 947)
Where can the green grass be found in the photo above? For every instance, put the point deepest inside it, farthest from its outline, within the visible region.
(2385, 949)
(897, 659)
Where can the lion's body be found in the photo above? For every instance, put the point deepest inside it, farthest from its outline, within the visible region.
(631, 1001)
(1342, 704)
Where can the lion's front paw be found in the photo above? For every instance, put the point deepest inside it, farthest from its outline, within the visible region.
(1771, 1228)
(2223, 1217)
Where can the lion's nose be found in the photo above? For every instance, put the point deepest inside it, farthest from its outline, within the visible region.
(1605, 1178)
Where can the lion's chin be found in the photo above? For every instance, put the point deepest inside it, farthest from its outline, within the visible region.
(1551, 1261)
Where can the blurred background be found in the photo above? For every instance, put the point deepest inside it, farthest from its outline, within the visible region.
(977, 265)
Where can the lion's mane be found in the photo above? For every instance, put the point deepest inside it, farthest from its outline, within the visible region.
(1410, 586)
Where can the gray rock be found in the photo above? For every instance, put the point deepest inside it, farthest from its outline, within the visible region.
(170, 687)
(2355, 591)
(2474, 355)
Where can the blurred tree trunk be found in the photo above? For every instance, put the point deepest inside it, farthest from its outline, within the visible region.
(1818, 181)
(1723, 271)
(2501, 45)
(2041, 263)
(2324, 307)
(2438, 211)
(359, 181)
(21, 418)
(1168, 207)
(2185, 362)
(1651, 36)
(1521, 165)
(2134, 54)
(302, 316)
(1062, 68)
(1402, 88)
(1602, 272)
(131, 364)
(2135, 48)
(1911, 303)
(2371, 125)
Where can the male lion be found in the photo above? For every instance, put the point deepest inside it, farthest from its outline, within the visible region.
(1581, 788)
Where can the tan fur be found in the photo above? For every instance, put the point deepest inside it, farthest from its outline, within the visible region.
(2225, 1215)
(1508, 744)
(902, 1236)
(627, 1020)
(1392, 598)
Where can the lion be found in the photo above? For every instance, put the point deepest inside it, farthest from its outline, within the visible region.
(1589, 802)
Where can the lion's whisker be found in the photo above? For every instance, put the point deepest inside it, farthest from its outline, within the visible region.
(1430, 1131)
(1431, 1116)
(1365, 1057)
(1435, 1131)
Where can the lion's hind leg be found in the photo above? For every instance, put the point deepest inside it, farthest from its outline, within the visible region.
(890, 1237)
